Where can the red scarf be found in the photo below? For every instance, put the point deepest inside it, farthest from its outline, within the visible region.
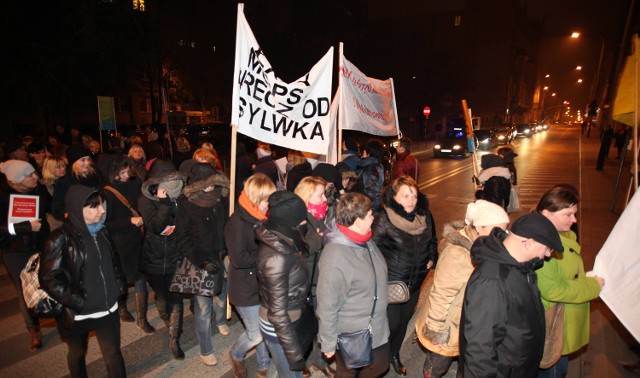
(355, 236)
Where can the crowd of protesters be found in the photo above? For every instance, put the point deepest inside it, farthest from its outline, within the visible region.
(315, 244)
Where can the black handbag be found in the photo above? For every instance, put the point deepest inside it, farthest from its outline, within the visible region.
(356, 348)
(306, 328)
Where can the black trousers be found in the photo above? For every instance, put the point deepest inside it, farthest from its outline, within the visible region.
(399, 316)
(377, 369)
(160, 284)
(107, 331)
(15, 262)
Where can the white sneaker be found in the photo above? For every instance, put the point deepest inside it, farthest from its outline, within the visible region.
(223, 329)
(209, 360)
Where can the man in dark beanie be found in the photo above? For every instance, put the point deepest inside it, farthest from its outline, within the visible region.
(283, 281)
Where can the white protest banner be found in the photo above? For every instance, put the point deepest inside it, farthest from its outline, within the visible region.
(293, 115)
(366, 104)
(618, 262)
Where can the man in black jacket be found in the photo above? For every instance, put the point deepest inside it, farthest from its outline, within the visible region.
(502, 328)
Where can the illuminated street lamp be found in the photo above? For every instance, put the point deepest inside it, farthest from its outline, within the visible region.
(578, 68)
(546, 88)
(576, 35)
(547, 76)
(553, 94)
(579, 80)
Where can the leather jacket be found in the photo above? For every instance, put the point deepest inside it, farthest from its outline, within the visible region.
(283, 280)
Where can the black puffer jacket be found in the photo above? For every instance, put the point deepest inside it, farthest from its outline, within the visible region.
(160, 254)
(79, 271)
(284, 283)
(407, 255)
(242, 246)
(502, 326)
(371, 180)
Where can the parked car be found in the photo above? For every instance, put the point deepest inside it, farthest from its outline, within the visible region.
(454, 143)
(485, 139)
(524, 130)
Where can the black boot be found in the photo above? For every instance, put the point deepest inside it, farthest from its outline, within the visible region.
(125, 315)
(398, 367)
(161, 306)
(141, 313)
(175, 329)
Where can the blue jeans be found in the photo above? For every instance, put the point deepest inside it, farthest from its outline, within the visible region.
(203, 313)
(251, 337)
(558, 370)
(220, 305)
(279, 361)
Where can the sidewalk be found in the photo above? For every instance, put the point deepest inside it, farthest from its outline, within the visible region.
(609, 343)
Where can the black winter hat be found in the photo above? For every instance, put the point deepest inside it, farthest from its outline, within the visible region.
(76, 152)
(490, 161)
(286, 210)
(537, 227)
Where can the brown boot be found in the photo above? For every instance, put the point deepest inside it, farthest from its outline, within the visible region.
(141, 313)
(36, 338)
(239, 370)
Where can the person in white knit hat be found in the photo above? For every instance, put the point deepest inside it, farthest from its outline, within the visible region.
(437, 325)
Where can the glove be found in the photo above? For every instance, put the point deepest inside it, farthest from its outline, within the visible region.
(298, 365)
(211, 266)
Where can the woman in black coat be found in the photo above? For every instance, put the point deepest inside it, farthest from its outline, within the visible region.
(125, 225)
(200, 220)
(160, 255)
(242, 246)
(405, 233)
(80, 270)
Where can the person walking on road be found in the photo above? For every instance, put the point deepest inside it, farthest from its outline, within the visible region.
(502, 328)
(495, 179)
(562, 279)
(242, 247)
(79, 269)
(20, 240)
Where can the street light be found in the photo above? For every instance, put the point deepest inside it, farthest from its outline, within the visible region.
(576, 35)
(578, 68)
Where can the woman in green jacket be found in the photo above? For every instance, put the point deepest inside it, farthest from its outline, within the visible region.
(563, 280)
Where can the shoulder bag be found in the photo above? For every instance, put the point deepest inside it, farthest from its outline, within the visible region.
(356, 348)
(398, 292)
(126, 203)
(553, 336)
(189, 279)
(37, 299)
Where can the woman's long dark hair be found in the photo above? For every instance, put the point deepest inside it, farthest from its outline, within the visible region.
(557, 199)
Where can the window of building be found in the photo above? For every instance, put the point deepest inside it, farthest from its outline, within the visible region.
(457, 20)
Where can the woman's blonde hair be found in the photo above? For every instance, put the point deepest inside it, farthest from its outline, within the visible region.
(76, 170)
(296, 157)
(144, 155)
(401, 181)
(307, 186)
(258, 188)
(49, 166)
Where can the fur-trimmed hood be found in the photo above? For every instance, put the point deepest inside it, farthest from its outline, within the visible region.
(460, 233)
(197, 194)
(155, 181)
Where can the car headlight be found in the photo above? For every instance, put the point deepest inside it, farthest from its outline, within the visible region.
(527, 131)
(501, 137)
(485, 141)
(456, 147)
(437, 146)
